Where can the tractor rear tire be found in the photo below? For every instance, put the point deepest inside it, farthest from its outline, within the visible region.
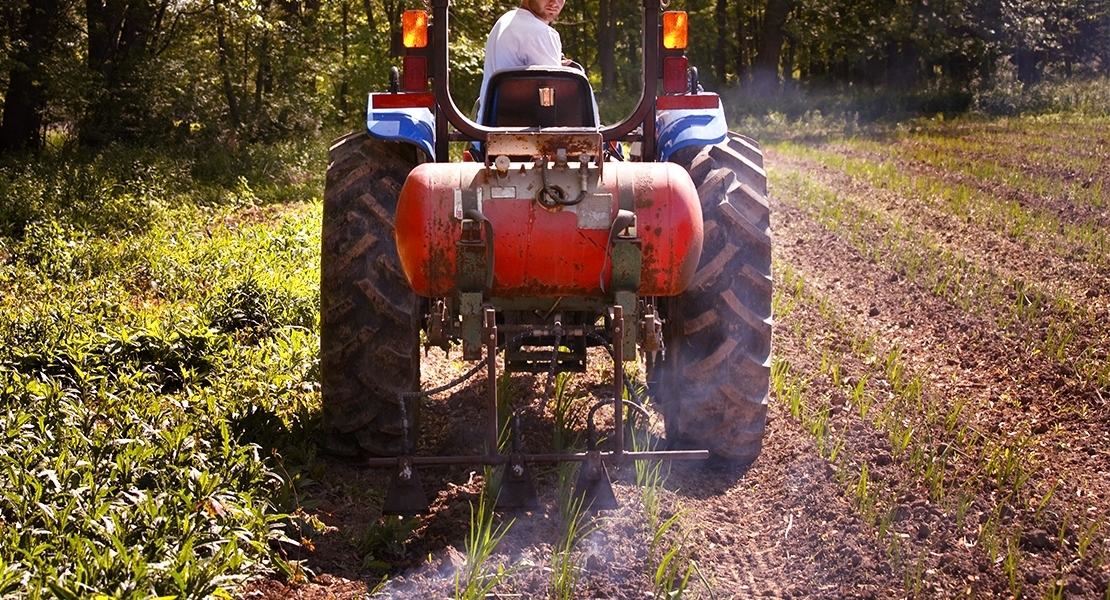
(369, 316)
(714, 378)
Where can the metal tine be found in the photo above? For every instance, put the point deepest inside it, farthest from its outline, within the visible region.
(405, 497)
(594, 487)
(518, 489)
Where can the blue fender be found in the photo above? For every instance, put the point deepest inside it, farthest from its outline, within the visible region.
(415, 125)
(680, 127)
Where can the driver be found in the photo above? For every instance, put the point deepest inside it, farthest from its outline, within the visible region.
(523, 37)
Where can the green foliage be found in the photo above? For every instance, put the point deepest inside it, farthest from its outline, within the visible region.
(1009, 98)
(476, 579)
(385, 540)
(214, 75)
(566, 560)
(158, 381)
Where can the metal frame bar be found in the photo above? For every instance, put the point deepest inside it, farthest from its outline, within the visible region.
(501, 459)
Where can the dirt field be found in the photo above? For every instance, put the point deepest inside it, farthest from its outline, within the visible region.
(939, 413)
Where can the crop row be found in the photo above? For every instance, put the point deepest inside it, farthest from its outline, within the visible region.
(1046, 318)
(869, 384)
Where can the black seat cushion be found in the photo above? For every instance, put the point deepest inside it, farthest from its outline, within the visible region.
(513, 98)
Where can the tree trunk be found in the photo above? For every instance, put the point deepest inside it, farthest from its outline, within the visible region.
(369, 9)
(344, 86)
(25, 100)
(1028, 65)
(741, 42)
(225, 73)
(264, 75)
(119, 36)
(765, 67)
(606, 50)
(788, 64)
(23, 107)
(720, 57)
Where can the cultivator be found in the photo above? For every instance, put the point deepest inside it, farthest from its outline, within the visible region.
(518, 490)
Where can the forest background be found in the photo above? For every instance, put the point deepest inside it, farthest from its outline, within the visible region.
(191, 73)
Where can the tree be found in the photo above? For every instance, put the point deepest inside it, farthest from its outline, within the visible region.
(765, 67)
(606, 47)
(124, 39)
(35, 25)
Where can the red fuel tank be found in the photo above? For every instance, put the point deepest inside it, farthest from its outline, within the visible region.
(549, 252)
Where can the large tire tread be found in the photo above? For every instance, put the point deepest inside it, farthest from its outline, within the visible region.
(370, 324)
(713, 382)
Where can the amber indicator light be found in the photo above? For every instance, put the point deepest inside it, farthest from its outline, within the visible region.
(414, 27)
(674, 29)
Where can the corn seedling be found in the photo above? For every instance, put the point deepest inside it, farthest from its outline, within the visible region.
(1011, 564)
(1087, 535)
(863, 497)
(1056, 590)
(564, 436)
(566, 560)
(476, 579)
(914, 578)
(673, 573)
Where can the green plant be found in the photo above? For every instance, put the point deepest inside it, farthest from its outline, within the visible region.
(477, 579)
(566, 559)
(1087, 535)
(914, 578)
(673, 573)
(565, 437)
(145, 452)
(1011, 564)
(385, 540)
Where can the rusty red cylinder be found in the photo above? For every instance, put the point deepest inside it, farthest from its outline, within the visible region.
(549, 252)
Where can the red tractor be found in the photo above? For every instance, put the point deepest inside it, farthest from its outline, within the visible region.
(549, 244)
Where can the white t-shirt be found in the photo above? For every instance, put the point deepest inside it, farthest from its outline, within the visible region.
(520, 39)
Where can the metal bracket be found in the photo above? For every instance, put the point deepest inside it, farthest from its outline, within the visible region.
(405, 497)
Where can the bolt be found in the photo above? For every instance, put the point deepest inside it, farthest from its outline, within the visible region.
(518, 470)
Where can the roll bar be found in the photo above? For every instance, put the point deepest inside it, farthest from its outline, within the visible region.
(448, 112)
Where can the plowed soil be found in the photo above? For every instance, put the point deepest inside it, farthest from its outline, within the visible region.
(939, 423)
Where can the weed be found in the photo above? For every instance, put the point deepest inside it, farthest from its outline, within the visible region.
(1087, 535)
(385, 540)
(155, 426)
(673, 573)
(565, 436)
(863, 497)
(914, 578)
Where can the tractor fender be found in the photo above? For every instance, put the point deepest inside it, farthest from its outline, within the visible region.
(678, 128)
(412, 125)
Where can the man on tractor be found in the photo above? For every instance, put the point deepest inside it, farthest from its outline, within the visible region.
(523, 37)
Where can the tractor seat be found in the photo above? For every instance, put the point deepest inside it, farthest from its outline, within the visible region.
(513, 98)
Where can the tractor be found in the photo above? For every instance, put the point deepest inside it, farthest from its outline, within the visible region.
(549, 241)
